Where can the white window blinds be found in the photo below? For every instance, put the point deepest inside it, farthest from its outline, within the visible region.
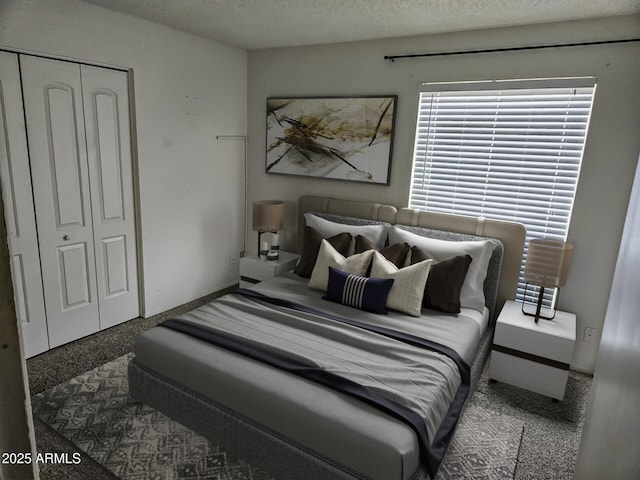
(508, 150)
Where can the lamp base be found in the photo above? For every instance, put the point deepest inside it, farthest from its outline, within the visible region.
(538, 313)
(260, 232)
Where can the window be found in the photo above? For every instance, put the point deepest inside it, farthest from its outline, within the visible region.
(508, 150)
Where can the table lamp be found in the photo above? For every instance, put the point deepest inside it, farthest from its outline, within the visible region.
(546, 266)
(268, 216)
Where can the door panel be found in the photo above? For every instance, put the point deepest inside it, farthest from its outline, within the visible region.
(116, 269)
(64, 157)
(19, 290)
(57, 147)
(15, 174)
(110, 173)
(73, 266)
(107, 155)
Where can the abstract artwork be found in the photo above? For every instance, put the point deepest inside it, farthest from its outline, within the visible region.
(338, 138)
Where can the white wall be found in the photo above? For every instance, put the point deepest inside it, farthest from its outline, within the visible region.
(359, 68)
(613, 415)
(187, 91)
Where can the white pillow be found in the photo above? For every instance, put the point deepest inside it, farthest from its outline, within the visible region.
(330, 257)
(472, 293)
(376, 233)
(408, 283)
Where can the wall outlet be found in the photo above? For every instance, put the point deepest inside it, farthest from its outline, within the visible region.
(589, 335)
(233, 259)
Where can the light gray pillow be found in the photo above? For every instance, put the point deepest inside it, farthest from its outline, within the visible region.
(472, 293)
(329, 257)
(407, 290)
(377, 234)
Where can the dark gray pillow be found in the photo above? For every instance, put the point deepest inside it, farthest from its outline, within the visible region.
(396, 253)
(311, 247)
(445, 280)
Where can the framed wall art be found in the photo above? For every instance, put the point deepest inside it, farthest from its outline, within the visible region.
(345, 138)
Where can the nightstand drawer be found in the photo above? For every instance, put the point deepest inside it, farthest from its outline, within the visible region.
(533, 376)
(551, 339)
(259, 271)
(535, 341)
(531, 355)
(253, 270)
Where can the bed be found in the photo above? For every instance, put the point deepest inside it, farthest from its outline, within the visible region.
(302, 377)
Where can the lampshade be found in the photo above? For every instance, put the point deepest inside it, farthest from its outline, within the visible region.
(268, 215)
(547, 263)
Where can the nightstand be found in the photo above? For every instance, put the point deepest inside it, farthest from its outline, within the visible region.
(534, 356)
(253, 270)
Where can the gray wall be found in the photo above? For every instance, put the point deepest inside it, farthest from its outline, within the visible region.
(359, 68)
(609, 447)
(188, 90)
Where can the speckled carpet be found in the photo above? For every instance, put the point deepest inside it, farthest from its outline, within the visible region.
(135, 442)
(534, 438)
(131, 440)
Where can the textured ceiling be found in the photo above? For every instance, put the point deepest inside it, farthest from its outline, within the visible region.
(258, 24)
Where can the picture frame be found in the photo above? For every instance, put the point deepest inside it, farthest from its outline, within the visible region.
(340, 138)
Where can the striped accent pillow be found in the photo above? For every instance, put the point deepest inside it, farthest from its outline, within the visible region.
(369, 294)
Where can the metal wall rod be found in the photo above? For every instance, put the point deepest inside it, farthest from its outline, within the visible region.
(244, 138)
(509, 49)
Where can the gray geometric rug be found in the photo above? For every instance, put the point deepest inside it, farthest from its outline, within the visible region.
(484, 447)
(136, 442)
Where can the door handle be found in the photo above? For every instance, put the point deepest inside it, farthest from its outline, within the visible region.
(66, 237)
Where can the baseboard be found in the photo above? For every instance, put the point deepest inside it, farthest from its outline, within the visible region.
(582, 369)
(225, 288)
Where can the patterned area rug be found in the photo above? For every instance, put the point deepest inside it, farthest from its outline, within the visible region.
(485, 446)
(136, 442)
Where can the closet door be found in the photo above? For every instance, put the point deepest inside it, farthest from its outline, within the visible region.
(106, 111)
(57, 148)
(20, 218)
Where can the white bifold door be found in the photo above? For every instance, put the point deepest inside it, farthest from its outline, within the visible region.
(19, 214)
(79, 149)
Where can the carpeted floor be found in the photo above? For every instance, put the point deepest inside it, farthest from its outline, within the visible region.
(135, 442)
(549, 432)
(130, 439)
(68, 361)
(551, 435)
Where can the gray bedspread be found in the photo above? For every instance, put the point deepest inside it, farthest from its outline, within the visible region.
(342, 430)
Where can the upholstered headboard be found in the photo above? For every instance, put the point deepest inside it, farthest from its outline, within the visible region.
(511, 234)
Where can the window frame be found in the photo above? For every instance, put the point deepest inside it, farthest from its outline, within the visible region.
(497, 89)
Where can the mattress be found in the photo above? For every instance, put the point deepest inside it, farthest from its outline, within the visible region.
(333, 426)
